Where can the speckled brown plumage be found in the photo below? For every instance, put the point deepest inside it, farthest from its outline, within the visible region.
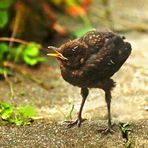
(90, 61)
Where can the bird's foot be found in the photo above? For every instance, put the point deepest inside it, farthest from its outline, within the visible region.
(76, 122)
(106, 130)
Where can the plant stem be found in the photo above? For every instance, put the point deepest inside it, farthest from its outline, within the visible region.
(13, 40)
(10, 85)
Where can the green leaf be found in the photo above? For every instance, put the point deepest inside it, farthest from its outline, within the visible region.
(4, 4)
(18, 122)
(3, 49)
(27, 111)
(3, 18)
(31, 54)
(30, 61)
(17, 55)
(18, 116)
(2, 71)
(32, 50)
(6, 110)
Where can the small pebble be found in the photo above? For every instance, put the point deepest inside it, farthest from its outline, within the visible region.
(146, 108)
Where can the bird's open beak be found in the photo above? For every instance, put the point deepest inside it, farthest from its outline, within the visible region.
(57, 54)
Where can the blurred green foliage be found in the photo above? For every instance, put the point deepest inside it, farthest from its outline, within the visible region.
(26, 12)
(19, 116)
(3, 50)
(30, 53)
(5, 4)
(27, 111)
(4, 70)
(3, 18)
(5, 110)
(4, 15)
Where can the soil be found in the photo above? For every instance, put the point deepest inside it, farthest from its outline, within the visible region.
(43, 134)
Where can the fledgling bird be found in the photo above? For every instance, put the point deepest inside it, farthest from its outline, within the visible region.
(90, 62)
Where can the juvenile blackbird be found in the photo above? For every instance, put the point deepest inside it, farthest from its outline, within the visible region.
(89, 62)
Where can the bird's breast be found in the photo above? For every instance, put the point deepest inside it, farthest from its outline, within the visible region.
(74, 77)
(80, 78)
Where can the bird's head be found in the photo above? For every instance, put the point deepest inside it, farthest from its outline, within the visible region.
(71, 54)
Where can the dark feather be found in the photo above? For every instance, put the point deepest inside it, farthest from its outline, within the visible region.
(103, 55)
(92, 60)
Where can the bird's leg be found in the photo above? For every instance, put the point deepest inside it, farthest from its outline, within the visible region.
(108, 102)
(79, 120)
(84, 94)
(107, 86)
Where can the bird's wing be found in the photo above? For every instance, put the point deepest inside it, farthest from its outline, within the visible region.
(108, 59)
(94, 41)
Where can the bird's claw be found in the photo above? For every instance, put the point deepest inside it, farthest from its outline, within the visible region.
(106, 130)
(73, 123)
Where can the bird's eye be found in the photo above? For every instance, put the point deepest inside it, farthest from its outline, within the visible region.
(74, 49)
